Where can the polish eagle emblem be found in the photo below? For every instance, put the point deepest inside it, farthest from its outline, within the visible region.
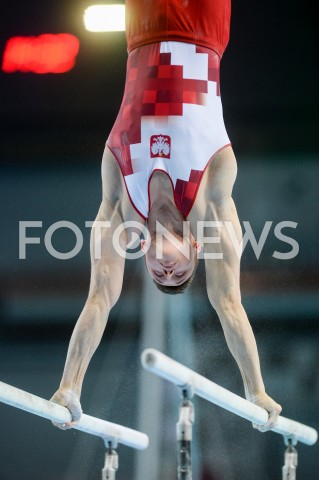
(160, 146)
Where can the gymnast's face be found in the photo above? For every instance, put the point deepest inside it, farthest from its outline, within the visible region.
(169, 265)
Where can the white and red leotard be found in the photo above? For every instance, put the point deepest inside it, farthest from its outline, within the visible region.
(171, 115)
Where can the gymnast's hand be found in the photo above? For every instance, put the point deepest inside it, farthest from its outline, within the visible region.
(69, 399)
(263, 400)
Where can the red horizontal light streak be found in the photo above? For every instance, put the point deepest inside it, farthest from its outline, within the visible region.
(47, 53)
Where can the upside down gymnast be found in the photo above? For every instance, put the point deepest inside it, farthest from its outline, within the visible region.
(168, 161)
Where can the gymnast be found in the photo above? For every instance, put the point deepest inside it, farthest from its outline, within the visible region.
(168, 162)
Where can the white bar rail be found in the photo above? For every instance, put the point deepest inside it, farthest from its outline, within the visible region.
(167, 368)
(95, 426)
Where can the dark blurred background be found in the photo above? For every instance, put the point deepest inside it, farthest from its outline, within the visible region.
(53, 131)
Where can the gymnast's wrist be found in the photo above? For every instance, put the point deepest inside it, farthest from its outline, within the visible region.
(254, 395)
(71, 388)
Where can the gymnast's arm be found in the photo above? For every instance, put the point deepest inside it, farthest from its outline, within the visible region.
(105, 288)
(222, 279)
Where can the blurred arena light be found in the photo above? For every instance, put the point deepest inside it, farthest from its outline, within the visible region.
(105, 18)
(47, 53)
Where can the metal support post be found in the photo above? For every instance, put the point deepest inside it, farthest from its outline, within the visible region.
(184, 435)
(111, 463)
(291, 460)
